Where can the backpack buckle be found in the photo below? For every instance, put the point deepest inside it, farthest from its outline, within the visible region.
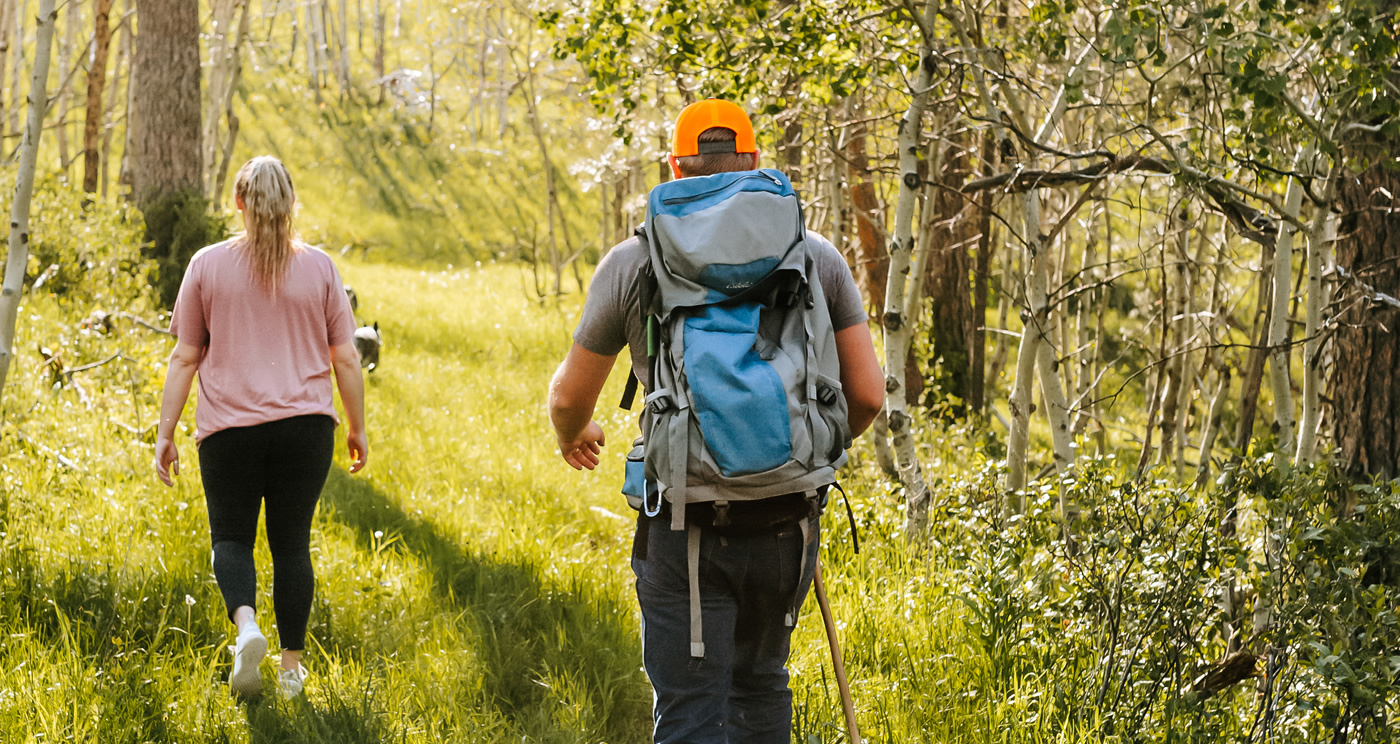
(721, 513)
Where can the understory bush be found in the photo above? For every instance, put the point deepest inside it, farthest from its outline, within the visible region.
(1262, 610)
(87, 254)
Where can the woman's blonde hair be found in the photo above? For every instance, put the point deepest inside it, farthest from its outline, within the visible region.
(265, 187)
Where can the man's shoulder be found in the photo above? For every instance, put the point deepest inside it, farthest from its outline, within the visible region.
(622, 262)
(823, 253)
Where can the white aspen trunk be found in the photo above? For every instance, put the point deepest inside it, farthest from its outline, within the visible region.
(1038, 321)
(1056, 410)
(379, 49)
(221, 57)
(313, 46)
(899, 326)
(1321, 233)
(1177, 402)
(1038, 326)
(123, 54)
(61, 96)
(1100, 432)
(1047, 362)
(12, 289)
(231, 87)
(1005, 296)
(1085, 343)
(7, 22)
(1211, 428)
(17, 72)
(1280, 377)
(1213, 328)
(552, 210)
(344, 66)
(1194, 328)
(836, 228)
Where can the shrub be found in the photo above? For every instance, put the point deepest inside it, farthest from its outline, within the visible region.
(178, 225)
(87, 254)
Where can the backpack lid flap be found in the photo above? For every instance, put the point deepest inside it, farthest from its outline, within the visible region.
(713, 237)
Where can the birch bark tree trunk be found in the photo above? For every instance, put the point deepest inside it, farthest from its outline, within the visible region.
(312, 8)
(1038, 322)
(223, 56)
(899, 313)
(123, 54)
(231, 136)
(17, 72)
(1214, 328)
(1174, 399)
(12, 290)
(8, 11)
(1280, 377)
(344, 61)
(97, 78)
(64, 92)
(1321, 233)
(379, 13)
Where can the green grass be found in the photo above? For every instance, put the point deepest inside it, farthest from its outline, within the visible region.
(473, 588)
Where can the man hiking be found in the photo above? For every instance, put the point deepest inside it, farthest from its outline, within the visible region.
(748, 334)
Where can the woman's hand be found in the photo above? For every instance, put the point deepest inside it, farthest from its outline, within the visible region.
(358, 445)
(167, 460)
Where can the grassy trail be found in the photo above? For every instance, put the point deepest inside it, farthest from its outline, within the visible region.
(471, 587)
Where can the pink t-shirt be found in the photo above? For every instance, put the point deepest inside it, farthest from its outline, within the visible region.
(267, 358)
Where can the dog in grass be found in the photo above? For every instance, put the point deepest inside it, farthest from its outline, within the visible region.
(367, 342)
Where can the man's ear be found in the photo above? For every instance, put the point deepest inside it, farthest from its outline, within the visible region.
(675, 166)
(756, 153)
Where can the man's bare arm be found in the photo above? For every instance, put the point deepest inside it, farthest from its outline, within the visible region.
(573, 394)
(862, 381)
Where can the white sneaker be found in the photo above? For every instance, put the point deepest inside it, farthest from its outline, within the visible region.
(248, 652)
(291, 681)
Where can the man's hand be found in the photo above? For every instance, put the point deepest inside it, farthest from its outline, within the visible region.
(358, 445)
(167, 460)
(572, 395)
(582, 453)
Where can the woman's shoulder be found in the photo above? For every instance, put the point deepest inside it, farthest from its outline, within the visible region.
(212, 252)
(314, 253)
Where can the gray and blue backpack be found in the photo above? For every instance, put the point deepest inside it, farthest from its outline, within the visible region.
(745, 400)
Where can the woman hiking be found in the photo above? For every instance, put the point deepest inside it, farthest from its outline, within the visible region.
(263, 319)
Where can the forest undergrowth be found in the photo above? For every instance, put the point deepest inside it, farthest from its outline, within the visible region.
(473, 588)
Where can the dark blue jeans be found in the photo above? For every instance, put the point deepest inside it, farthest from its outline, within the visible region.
(738, 692)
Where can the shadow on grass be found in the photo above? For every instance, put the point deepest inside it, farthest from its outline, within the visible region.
(110, 629)
(334, 720)
(529, 631)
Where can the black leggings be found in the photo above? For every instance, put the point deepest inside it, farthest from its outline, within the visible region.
(284, 463)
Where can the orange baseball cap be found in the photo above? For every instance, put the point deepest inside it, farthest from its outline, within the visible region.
(709, 114)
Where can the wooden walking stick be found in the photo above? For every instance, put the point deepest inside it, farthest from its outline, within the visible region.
(846, 705)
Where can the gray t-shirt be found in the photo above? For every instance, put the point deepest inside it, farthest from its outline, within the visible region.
(612, 317)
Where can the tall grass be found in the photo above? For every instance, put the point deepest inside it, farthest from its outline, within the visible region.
(473, 588)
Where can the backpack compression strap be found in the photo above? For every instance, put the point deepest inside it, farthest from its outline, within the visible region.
(648, 295)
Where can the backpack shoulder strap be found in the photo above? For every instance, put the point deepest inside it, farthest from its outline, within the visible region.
(647, 296)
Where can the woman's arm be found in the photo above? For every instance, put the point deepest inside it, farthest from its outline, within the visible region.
(179, 375)
(346, 362)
